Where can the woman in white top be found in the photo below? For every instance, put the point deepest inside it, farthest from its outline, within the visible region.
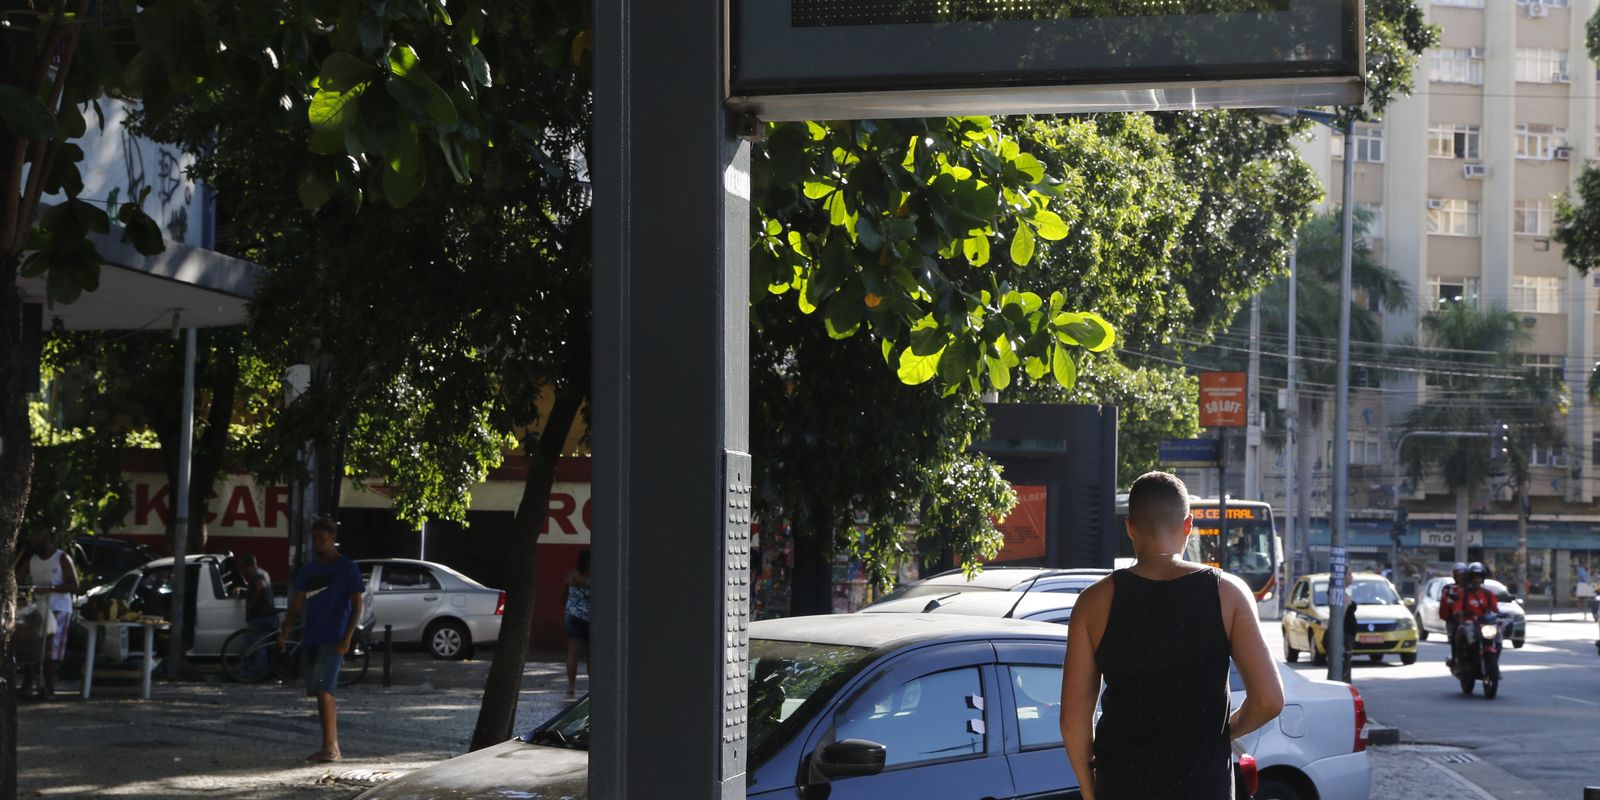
(52, 574)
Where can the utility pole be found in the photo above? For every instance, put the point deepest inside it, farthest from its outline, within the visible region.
(1338, 664)
(1252, 430)
(1291, 433)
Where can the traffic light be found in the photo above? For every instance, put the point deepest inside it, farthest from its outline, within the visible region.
(1499, 442)
(1398, 530)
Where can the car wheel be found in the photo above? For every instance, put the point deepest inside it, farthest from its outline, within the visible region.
(1376, 658)
(1290, 654)
(1319, 658)
(1408, 658)
(1422, 633)
(1270, 789)
(448, 639)
(1518, 643)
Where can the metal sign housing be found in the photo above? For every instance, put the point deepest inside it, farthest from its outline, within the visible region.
(868, 59)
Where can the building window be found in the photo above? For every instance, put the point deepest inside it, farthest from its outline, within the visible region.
(1545, 367)
(1540, 141)
(1368, 143)
(1541, 65)
(1532, 217)
(1547, 3)
(1446, 291)
(1594, 448)
(1460, 3)
(1547, 456)
(1536, 295)
(1456, 65)
(1366, 449)
(1374, 217)
(1453, 217)
(1453, 140)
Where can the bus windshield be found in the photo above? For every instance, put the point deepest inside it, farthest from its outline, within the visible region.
(1251, 549)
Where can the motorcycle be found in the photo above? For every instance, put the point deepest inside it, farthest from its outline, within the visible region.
(1478, 658)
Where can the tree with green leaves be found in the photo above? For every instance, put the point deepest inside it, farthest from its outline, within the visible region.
(368, 77)
(1478, 379)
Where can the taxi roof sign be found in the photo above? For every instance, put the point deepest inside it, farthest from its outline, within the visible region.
(869, 59)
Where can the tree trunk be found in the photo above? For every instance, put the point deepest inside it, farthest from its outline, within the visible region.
(1463, 499)
(500, 692)
(16, 460)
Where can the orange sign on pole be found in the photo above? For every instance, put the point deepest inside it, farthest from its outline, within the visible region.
(1222, 399)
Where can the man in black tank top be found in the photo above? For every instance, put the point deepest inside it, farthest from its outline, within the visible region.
(1160, 634)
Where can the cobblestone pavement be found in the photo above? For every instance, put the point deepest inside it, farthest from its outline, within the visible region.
(216, 739)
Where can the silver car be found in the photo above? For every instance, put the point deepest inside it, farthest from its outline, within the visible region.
(1427, 610)
(433, 605)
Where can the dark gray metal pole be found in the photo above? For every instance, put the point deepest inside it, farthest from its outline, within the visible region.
(670, 407)
(180, 516)
(1338, 665)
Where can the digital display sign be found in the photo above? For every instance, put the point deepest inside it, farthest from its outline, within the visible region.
(1234, 512)
(868, 59)
(904, 12)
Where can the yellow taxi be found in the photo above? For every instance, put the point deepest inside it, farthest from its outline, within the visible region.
(1384, 625)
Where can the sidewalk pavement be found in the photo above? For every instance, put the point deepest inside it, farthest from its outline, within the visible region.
(222, 740)
(1437, 772)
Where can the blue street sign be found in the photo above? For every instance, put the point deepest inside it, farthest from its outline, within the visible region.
(1188, 452)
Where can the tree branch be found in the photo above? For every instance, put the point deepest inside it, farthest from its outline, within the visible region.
(46, 150)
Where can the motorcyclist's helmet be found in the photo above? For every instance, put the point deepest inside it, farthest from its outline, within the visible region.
(1459, 570)
(1477, 570)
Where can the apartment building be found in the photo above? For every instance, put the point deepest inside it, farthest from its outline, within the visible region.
(1460, 177)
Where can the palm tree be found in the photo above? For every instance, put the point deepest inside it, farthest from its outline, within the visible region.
(1476, 380)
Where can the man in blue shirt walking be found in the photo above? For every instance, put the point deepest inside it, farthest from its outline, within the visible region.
(329, 588)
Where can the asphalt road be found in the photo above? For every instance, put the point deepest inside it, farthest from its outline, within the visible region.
(1543, 728)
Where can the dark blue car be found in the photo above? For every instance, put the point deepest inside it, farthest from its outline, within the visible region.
(873, 706)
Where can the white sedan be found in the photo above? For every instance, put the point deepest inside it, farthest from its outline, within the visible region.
(1316, 748)
(433, 605)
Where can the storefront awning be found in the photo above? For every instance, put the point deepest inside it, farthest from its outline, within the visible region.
(203, 288)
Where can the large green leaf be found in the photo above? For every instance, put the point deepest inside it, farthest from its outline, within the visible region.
(418, 92)
(333, 110)
(1085, 329)
(1022, 245)
(25, 115)
(406, 152)
(915, 369)
(342, 72)
(1050, 225)
(1062, 367)
(400, 189)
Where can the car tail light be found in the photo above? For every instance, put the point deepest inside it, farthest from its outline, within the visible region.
(500, 605)
(1361, 720)
(1248, 775)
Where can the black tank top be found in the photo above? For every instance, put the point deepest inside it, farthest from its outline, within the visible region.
(1163, 730)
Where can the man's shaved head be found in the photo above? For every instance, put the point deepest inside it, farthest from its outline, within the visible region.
(1157, 503)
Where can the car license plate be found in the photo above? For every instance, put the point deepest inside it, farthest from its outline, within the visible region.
(1369, 638)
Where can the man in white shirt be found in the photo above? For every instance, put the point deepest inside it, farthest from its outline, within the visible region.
(54, 579)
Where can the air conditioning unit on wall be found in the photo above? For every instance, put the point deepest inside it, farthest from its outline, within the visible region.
(1562, 153)
(1474, 171)
(1537, 10)
(1434, 202)
(1561, 77)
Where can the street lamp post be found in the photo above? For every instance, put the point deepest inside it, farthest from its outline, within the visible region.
(1338, 666)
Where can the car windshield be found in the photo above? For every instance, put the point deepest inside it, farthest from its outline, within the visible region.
(1366, 592)
(789, 682)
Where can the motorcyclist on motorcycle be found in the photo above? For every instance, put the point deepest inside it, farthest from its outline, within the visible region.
(1449, 600)
(1471, 602)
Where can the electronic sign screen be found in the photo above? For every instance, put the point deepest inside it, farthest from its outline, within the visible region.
(854, 59)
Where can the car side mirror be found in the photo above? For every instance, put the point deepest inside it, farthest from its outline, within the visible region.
(1411, 602)
(850, 758)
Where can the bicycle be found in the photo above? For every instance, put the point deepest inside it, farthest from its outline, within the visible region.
(251, 654)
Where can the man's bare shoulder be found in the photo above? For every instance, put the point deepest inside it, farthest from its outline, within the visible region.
(1096, 597)
(1235, 592)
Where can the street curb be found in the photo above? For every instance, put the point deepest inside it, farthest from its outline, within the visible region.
(1380, 735)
